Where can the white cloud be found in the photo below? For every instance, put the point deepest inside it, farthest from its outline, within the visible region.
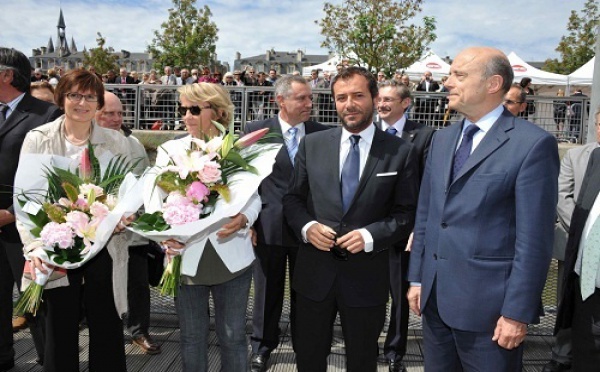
(531, 28)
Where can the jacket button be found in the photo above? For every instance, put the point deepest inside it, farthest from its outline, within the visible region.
(435, 256)
(444, 225)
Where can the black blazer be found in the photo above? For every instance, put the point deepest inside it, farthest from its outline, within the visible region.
(384, 204)
(29, 113)
(590, 187)
(270, 225)
(420, 136)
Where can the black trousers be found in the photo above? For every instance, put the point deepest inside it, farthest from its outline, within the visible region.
(11, 271)
(138, 291)
(394, 347)
(106, 344)
(585, 332)
(361, 327)
(269, 290)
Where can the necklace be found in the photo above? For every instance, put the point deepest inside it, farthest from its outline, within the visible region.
(76, 141)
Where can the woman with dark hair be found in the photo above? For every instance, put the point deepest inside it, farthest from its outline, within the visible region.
(99, 284)
(224, 264)
(526, 85)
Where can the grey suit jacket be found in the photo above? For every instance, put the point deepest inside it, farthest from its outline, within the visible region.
(572, 170)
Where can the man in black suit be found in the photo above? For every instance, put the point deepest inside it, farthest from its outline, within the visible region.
(394, 99)
(353, 196)
(276, 244)
(19, 113)
(426, 105)
(580, 303)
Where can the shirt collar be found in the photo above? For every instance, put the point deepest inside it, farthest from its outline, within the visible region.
(12, 105)
(487, 120)
(366, 134)
(285, 126)
(399, 125)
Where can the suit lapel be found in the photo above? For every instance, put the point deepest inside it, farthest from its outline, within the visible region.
(17, 116)
(492, 141)
(331, 160)
(456, 132)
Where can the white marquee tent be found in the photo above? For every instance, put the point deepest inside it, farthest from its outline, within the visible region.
(431, 62)
(584, 74)
(522, 69)
(327, 66)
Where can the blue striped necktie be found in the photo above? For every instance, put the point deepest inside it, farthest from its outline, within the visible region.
(464, 150)
(292, 143)
(391, 130)
(351, 173)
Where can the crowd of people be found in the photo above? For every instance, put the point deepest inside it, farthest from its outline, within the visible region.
(456, 225)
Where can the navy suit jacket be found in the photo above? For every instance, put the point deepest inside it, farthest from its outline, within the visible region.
(485, 239)
(270, 225)
(384, 204)
(29, 113)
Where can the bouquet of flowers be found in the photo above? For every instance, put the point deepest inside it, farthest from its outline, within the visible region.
(194, 184)
(68, 220)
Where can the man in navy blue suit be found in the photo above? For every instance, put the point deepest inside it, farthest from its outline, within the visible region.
(485, 221)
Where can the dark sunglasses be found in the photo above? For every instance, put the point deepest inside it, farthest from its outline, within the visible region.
(195, 110)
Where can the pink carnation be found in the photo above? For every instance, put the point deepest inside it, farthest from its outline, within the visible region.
(179, 210)
(59, 234)
(211, 173)
(197, 192)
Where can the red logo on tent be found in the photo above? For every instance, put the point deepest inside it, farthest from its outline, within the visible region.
(433, 65)
(519, 68)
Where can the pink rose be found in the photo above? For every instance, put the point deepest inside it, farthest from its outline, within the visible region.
(99, 210)
(197, 191)
(211, 173)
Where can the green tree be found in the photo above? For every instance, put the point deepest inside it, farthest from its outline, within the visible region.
(577, 47)
(377, 33)
(188, 37)
(103, 59)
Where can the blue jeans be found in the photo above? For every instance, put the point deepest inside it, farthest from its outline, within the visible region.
(230, 299)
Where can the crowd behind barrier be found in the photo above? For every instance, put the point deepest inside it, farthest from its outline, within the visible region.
(154, 107)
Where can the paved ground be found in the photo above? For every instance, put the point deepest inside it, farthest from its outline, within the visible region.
(166, 331)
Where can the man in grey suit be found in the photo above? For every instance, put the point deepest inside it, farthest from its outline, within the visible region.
(394, 99)
(276, 245)
(19, 113)
(352, 197)
(572, 171)
(484, 229)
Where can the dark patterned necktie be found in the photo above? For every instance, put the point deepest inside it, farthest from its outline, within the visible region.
(464, 150)
(351, 173)
(3, 110)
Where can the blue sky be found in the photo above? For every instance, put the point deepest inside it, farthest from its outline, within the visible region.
(531, 28)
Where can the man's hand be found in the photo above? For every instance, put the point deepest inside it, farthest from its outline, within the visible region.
(6, 217)
(321, 236)
(353, 242)
(238, 222)
(509, 333)
(414, 299)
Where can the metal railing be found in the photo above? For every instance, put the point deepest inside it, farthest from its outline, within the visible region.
(150, 106)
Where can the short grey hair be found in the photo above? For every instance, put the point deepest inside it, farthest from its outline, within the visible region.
(499, 65)
(283, 85)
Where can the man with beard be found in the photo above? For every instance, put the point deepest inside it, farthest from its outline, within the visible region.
(352, 197)
(394, 99)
